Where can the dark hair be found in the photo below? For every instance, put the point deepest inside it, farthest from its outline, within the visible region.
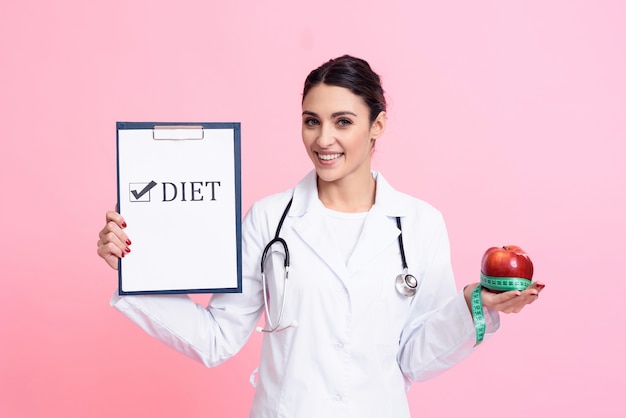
(354, 74)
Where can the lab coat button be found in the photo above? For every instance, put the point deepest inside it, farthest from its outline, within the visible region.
(337, 398)
(339, 346)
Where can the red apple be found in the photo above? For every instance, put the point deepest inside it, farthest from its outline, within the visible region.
(507, 261)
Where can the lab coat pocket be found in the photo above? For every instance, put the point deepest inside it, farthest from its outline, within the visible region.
(391, 308)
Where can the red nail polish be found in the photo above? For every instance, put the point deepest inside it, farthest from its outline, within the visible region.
(128, 242)
(123, 224)
(127, 249)
(123, 255)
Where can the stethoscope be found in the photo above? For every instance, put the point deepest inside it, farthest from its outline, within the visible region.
(406, 284)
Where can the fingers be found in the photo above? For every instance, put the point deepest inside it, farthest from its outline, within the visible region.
(538, 286)
(113, 243)
(115, 224)
(531, 293)
(113, 234)
(114, 216)
(506, 302)
(513, 301)
(110, 254)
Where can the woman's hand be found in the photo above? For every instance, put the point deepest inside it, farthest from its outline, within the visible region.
(113, 243)
(513, 301)
(506, 302)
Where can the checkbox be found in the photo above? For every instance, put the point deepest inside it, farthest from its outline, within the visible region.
(140, 192)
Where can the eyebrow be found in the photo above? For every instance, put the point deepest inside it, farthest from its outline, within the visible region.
(334, 115)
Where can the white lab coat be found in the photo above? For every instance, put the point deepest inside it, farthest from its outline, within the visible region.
(358, 343)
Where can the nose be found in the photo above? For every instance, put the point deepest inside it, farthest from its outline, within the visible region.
(326, 136)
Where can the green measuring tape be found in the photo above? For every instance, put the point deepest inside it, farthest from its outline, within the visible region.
(493, 283)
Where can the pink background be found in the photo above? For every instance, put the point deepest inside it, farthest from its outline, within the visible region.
(508, 116)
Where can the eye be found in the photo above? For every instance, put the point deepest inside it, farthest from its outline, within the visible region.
(344, 122)
(311, 122)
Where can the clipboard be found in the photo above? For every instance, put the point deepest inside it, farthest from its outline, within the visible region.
(179, 190)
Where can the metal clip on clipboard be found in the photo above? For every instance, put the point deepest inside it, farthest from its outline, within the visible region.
(177, 132)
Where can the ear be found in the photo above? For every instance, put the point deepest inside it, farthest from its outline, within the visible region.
(378, 126)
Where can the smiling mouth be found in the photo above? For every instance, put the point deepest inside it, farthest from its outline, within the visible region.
(328, 157)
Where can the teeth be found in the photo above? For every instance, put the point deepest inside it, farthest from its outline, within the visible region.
(327, 157)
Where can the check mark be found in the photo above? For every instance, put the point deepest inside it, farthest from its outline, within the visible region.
(143, 191)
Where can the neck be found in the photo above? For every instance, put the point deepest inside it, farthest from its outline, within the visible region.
(348, 196)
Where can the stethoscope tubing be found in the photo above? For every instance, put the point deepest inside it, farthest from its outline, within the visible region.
(275, 240)
(406, 284)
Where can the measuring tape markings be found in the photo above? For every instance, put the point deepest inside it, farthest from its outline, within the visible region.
(493, 283)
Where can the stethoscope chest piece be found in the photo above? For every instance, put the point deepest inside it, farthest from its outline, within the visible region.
(406, 284)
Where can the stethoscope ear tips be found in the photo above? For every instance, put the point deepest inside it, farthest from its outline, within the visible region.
(406, 284)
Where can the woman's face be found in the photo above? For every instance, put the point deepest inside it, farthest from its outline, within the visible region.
(337, 133)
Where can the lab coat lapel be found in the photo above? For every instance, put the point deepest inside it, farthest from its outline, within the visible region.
(312, 227)
(315, 232)
(379, 231)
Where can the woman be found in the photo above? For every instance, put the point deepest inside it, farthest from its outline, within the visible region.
(348, 343)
